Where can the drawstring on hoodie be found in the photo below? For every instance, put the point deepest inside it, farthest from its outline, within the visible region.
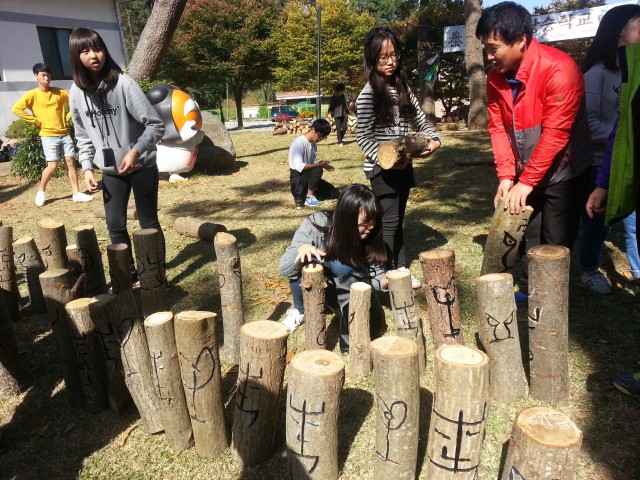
(91, 112)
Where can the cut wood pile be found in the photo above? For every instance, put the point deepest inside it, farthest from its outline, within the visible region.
(300, 127)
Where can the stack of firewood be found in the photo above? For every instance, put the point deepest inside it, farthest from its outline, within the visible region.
(352, 124)
(298, 127)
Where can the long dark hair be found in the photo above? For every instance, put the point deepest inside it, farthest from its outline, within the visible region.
(83, 38)
(383, 106)
(604, 47)
(342, 238)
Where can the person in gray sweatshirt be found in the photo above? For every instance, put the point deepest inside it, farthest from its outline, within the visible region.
(117, 129)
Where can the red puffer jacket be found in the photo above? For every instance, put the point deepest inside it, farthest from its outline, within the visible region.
(543, 136)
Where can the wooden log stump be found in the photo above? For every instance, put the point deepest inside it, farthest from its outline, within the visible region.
(172, 404)
(280, 131)
(197, 228)
(73, 260)
(132, 213)
(395, 364)
(549, 323)
(313, 295)
(405, 312)
(11, 373)
(91, 258)
(544, 444)
(58, 289)
(8, 281)
(438, 270)
(150, 264)
(53, 241)
(359, 330)
(201, 379)
(505, 235)
(28, 256)
(313, 397)
(390, 152)
(263, 350)
(459, 414)
(91, 362)
(498, 332)
(230, 278)
(119, 267)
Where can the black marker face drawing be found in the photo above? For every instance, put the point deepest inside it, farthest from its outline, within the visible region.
(501, 328)
(248, 388)
(445, 296)
(306, 418)
(393, 417)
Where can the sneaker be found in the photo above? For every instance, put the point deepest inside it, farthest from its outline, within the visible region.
(40, 198)
(522, 299)
(293, 319)
(596, 282)
(81, 197)
(311, 201)
(628, 383)
(341, 144)
(415, 283)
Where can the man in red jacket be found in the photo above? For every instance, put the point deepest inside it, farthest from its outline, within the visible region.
(538, 126)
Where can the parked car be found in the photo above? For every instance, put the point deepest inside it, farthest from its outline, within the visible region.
(282, 109)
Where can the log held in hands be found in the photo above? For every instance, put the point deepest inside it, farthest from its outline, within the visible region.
(392, 151)
(151, 267)
(359, 330)
(313, 295)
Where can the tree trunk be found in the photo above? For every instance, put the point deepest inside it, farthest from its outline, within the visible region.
(150, 263)
(28, 255)
(438, 270)
(10, 371)
(230, 278)
(425, 52)
(313, 295)
(405, 313)
(498, 332)
(505, 235)
(263, 350)
(91, 258)
(119, 267)
(549, 323)
(395, 362)
(459, 414)
(313, 397)
(155, 38)
(53, 240)
(196, 228)
(474, 62)
(544, 444)
(392, 151)
(359, 330)
(238, 91)
(201, 378)
(8, 282)
(165, 366)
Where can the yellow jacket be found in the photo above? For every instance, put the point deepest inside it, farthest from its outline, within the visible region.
(47, 110)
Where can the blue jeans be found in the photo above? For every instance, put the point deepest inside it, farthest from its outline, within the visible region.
(594, 233)
(632, 244)
(337, 268)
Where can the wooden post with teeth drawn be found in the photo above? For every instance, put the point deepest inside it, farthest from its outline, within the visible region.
(28, 256)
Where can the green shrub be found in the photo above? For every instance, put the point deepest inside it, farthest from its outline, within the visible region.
(28, 162)
(263, 111)
(21, 129)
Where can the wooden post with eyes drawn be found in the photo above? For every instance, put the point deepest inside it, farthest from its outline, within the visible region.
(498, 332)
(314, 288)
(8, 282)
(28, 256)
(151, 268)
(91, 260)
(392, 151)
(230, 278)
(53, 241)
(359, 330)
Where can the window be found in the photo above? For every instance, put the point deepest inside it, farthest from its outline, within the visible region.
(54, 43)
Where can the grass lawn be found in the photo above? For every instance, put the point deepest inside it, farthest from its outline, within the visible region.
(43, 437)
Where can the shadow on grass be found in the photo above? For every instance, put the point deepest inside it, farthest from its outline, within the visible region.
(355, 404)
(426, 405)
(9, 192)
(266, 152)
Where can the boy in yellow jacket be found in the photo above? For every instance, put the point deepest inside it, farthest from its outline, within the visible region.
(46, 105)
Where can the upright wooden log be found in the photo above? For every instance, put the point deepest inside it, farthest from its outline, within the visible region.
(28, 256)
(544, 444)
(230, 277)
(459, 414)
(119, 267)
(91, 362)
(313, 295)
(53, 241)
(201, 379)
(91, 258)
(359, 330)
(313, 397)
(395, 364)
(263, 350)
(8, 282)
(505, 235)
(197, 228)
(438, 270)
(549, 323)
(59, 289)
(150, 263)
(11, 374)
(405, 313)
(498, 332)
(390, 152)
(173, 410)
(73, 259)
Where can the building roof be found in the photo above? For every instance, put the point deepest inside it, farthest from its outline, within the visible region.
(295, 95)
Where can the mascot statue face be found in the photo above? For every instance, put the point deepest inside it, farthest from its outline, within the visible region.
(181, 116)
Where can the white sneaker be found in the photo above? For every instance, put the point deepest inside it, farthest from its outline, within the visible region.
(293, 319)
(595, 282)
(81, 197)
(40, 198)
(415, 283)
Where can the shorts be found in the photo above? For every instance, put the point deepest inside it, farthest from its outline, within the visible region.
(57, 147)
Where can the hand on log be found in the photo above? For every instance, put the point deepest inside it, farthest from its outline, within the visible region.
(399, 152)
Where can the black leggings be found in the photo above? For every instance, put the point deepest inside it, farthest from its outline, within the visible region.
(341, 127)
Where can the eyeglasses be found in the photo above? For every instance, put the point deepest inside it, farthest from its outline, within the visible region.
(383, 59)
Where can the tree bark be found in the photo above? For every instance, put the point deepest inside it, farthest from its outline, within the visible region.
(8, 282)
(359, 330)
(505, 235)
(28, 255)
(155, 38)
(544, 444)
(263, 350)
(474, 62)
(425, 52)
(498, 332)
(438, 270)
(405, 313)
(395, 363)
(11, 373)
(313, 397)
(230, 278)
(119, 267)
(313, 295)
(165, 366)
(392, 151)
(196, 228)
(151, 268)
(91, 258)
(201, 378)
(459, 414)
(53, 240)
(73, 260)
(549, 323)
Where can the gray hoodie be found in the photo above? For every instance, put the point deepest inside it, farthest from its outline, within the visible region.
(118, 118)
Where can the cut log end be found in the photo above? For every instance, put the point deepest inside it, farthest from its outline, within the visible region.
(117, 247)
(158, 318)
(361, 287)
(56, 272)
(264, 330)
(394, 347)
(225, 238)
(436, 254)
(79, 303)
(549, 427)
(495, 278)
(397, 274)
(50, 223)
(318, 362)
(194, 316)
(145, 231)
(22, 241)
(462, 355)
(80, 228)
(312, 268)
(548, 251)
